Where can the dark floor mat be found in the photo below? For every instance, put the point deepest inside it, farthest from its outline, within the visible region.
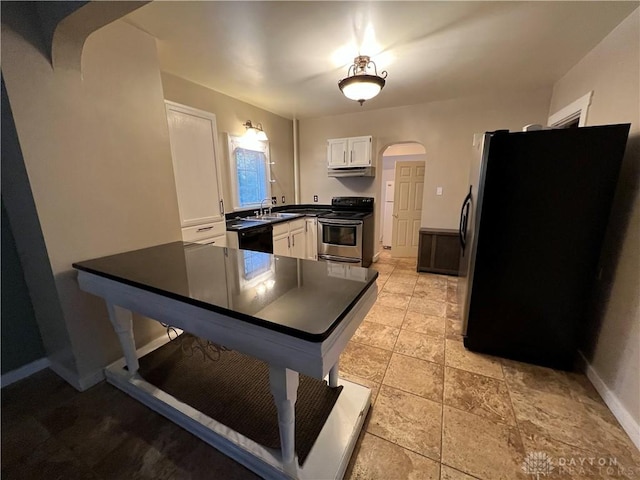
(233, 389)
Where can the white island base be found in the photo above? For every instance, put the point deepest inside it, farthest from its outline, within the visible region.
(329, 455)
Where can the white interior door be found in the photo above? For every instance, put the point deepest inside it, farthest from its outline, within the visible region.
(407, 208)
(387, 227)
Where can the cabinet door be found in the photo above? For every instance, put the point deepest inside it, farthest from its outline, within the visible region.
(193, 136)
(447, 258)
(298, 244)
(425, 251)
(337, 152)
(311, 236)
(360, 151)
(281, 245)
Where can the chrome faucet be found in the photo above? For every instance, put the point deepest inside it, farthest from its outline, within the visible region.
(262, 209)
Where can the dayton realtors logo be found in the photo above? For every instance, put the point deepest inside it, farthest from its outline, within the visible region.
(537, 463)
(542, 465)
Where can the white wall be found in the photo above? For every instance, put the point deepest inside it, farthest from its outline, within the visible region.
(230, 115)
(96, 151)
(612, 71)
(444, 128)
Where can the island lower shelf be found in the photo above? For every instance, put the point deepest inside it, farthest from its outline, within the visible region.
(330, 449)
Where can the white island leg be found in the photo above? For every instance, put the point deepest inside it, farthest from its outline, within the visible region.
(284, 388)
(122, 321)
(333, 375)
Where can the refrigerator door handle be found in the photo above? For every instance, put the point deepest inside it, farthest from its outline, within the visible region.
(464, 216)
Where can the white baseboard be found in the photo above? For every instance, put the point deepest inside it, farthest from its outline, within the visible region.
(90, 380)
(79, 383)
(628, 423)
(24, 372)
(95, 377)
(375, 257)
(67, 375)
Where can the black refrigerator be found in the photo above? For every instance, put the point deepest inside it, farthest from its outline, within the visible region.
(531, 231)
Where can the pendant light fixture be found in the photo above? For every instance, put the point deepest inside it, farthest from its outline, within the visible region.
(254, 132)
(360, 85)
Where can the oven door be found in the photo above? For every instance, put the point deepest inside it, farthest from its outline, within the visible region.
(340, 240)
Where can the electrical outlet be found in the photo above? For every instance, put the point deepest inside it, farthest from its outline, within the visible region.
(283, 200)
(438, 190)
(274, 200)
(315, 198)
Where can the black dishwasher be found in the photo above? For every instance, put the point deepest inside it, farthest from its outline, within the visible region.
(259, 239)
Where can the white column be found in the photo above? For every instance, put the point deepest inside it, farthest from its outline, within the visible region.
(333, 375)
(122, 321)
(284, 388)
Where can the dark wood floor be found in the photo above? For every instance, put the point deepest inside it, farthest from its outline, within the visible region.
(51, 431)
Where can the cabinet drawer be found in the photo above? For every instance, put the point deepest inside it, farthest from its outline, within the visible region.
(296, 225)
(200, 232)
(280, 229)
(219, 241)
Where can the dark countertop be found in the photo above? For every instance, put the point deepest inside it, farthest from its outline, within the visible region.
(238, 221)
(302, 298)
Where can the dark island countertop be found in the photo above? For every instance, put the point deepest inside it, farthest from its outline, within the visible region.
(303, 298)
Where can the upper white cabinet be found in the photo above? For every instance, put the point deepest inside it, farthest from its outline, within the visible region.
(337, 152)
(349, 152)
(196, 164)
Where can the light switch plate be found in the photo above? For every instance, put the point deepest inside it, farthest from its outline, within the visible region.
(438, 190)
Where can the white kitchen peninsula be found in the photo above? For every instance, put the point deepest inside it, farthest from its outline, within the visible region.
(290, 313)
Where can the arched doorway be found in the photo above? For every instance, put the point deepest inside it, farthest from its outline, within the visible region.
(401, 209)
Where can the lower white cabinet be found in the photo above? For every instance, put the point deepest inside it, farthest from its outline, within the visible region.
(219, 241)
(298, 243)
(281, 245)
(289, 239)
(214, 233)
(311, 238)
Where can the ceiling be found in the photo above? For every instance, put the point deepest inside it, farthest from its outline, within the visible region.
(287, 57)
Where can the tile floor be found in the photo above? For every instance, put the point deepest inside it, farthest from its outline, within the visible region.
(439, 412)
(442, 412)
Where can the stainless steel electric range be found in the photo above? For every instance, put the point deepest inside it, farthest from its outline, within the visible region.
(346, 233)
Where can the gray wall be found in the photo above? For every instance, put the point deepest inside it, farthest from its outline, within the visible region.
(612, 343)
(21, 342)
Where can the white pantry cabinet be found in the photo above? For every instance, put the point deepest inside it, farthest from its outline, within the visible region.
(196, 167)
(349, 152)
(289, 238)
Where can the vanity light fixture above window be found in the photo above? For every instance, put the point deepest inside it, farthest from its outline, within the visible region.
(254, 132)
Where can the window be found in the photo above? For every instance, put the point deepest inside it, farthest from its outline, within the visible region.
(573, 115)
(250, 172)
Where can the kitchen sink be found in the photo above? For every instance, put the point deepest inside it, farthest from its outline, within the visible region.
(276, 216)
